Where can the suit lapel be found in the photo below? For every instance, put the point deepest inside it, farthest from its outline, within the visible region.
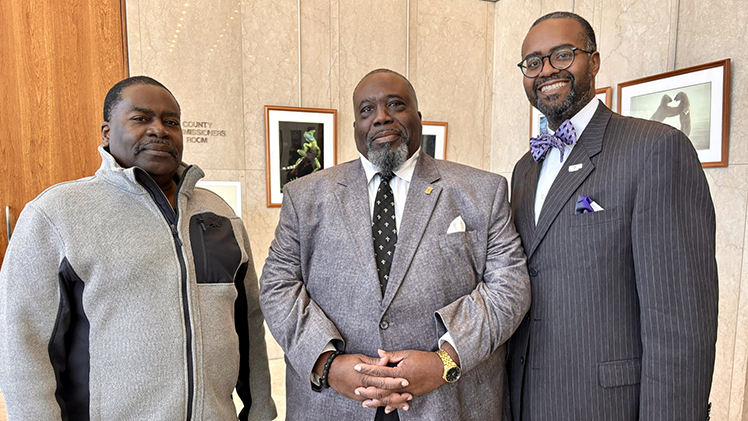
(352, 193)
(566, 182)
(418, 209)
(525, 185)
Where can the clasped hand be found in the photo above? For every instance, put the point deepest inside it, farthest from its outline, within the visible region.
(370, 381)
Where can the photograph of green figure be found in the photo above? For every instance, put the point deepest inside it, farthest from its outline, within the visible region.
(308, 161)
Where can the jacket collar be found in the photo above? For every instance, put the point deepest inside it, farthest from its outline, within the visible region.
(124, 178)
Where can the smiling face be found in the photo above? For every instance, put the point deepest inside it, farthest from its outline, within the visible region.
(145, 131)
(388, 124)
(560, 94)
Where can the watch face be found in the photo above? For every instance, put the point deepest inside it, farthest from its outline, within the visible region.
(453, 374)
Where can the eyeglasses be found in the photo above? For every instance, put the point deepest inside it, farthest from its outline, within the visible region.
(560, 59)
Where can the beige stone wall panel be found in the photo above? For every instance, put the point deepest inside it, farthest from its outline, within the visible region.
(452, 67)
(204, 37)
(318, 62)
(270, 67)
(372, 35)
(510, 107)
(730, 197)
(132, 15)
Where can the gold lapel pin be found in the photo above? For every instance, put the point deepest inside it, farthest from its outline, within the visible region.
(429, 189)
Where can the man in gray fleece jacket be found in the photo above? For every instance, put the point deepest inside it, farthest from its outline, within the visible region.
(131, 294)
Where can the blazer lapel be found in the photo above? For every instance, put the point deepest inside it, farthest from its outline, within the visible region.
(566, 182)
(523, 198)
(353, 198)
(418, 209)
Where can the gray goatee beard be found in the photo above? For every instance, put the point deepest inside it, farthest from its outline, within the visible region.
(572, 104)
(388, 160)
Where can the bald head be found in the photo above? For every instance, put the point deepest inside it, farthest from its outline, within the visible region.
(383, 70)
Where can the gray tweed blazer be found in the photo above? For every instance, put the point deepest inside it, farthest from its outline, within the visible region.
(320, 284)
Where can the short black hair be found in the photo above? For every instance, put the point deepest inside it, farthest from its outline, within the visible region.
(383, 70)
(589, 33)
(114, 96)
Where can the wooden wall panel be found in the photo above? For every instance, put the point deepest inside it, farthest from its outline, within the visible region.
(57, 61)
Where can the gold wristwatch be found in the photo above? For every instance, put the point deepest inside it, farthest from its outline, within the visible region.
(452, 372)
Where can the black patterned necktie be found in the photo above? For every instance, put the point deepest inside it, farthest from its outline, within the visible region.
(384, 230)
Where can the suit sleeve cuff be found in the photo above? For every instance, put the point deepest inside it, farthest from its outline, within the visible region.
(447, 337)
(315, 379)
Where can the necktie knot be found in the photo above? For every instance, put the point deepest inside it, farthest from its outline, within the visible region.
(385, 178)
(565, 135)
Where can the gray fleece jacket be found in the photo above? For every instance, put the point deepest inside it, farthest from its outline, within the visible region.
(115, 307)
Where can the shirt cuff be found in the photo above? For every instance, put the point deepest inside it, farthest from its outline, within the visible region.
(448, 338)
(329, 347)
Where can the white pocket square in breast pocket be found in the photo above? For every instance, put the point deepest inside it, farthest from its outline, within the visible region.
(457, 225)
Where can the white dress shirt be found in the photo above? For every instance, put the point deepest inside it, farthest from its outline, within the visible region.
(551, 165)
(399, 184)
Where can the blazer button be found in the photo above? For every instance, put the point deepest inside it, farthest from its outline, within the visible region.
(533, 272)
(521, 360)
(384, 325)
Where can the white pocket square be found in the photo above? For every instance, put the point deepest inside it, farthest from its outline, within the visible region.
(596, 207)
(457, 225)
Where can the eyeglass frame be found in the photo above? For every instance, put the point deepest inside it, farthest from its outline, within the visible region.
(548, 56)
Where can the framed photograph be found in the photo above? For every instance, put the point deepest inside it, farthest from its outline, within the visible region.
(695, 100)
(539, 124)
(230, 191)
(605, 95)
(298, 142)
(434, 142)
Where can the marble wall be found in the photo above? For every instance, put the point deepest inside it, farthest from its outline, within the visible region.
(230, 58)
(638, 38)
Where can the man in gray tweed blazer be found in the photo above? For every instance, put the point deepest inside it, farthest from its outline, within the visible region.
(618, 225)
(456, 281)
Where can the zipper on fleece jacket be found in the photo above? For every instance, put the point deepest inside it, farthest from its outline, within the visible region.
(171, 216)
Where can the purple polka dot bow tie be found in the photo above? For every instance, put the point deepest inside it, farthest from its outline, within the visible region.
(565, 135)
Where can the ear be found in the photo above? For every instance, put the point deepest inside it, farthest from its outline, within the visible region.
(595, 63)
(105, 133)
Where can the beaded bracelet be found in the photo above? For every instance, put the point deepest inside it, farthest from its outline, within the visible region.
(325, 371)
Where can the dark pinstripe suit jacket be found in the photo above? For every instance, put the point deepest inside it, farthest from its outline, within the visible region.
(623, 320)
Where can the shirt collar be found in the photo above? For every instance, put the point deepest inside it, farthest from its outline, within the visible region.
(405, 171)
(584, 116)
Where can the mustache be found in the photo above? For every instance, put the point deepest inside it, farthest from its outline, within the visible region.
(560, 75)
(155, 141)
(403, 134)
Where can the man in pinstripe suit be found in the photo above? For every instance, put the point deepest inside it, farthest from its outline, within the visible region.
(617, 221)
